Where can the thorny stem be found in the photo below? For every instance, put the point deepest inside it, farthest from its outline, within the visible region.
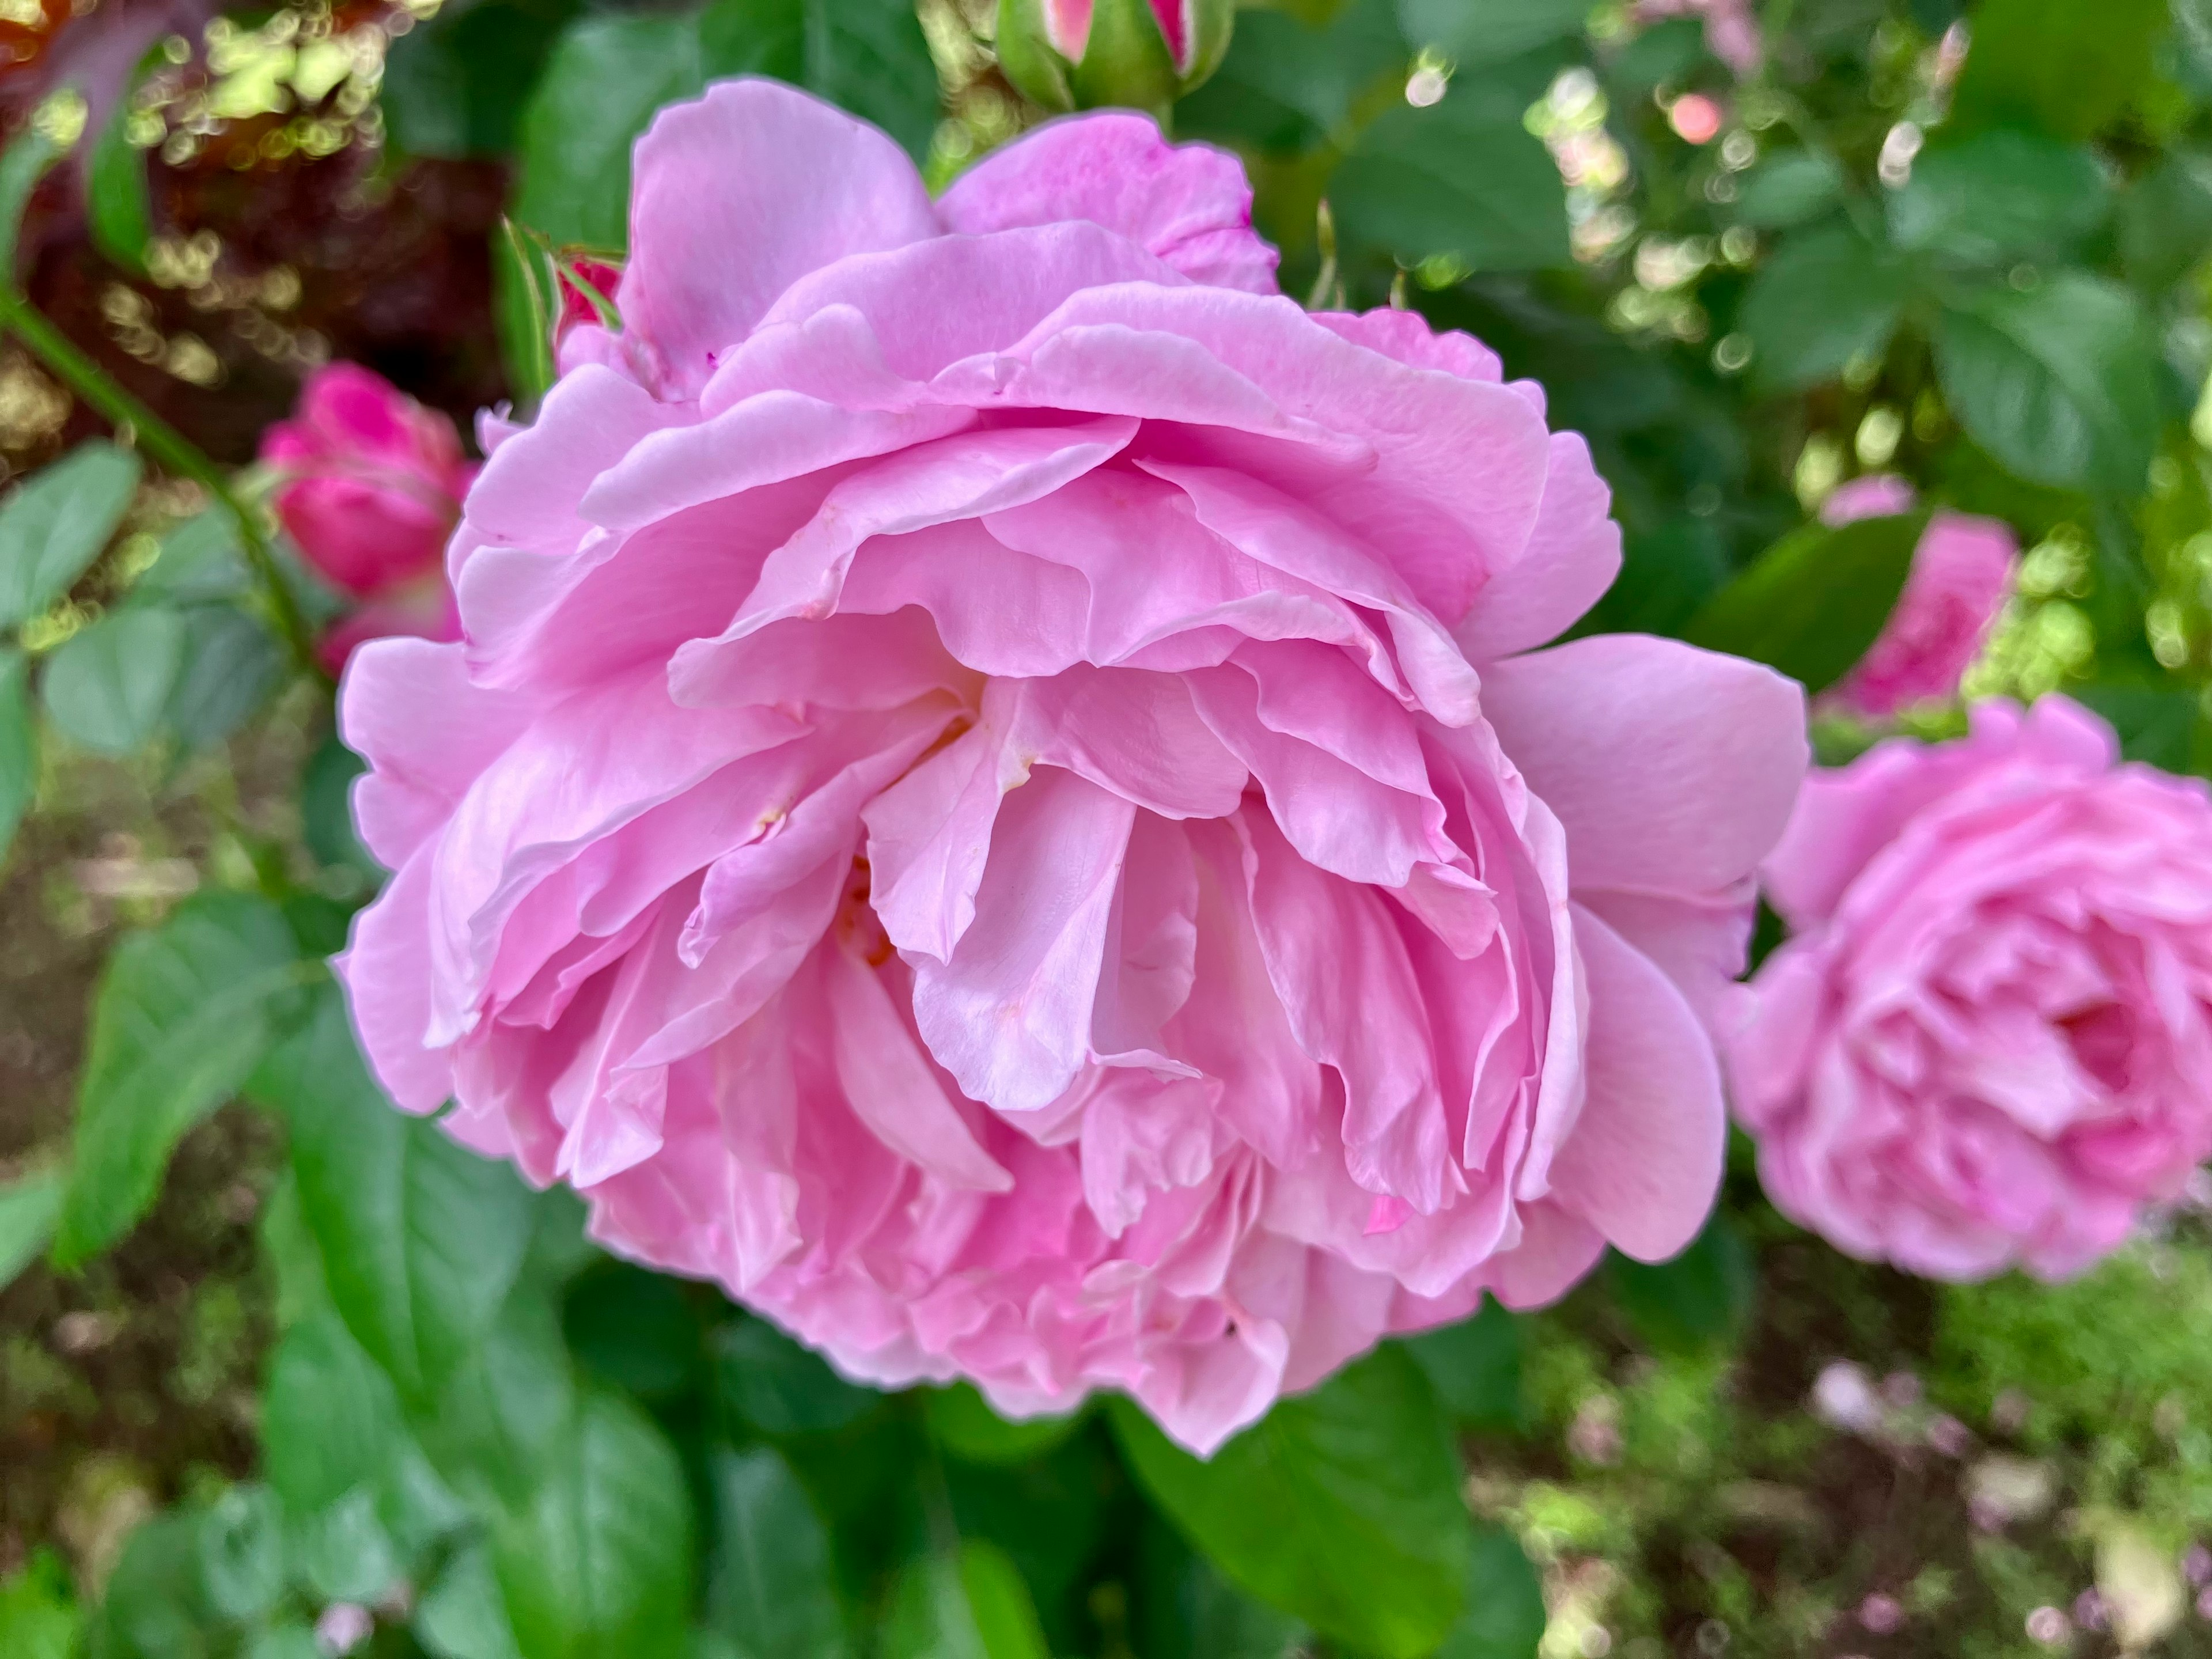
(174, 452)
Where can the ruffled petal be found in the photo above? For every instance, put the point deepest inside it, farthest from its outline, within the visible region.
(1186, 204)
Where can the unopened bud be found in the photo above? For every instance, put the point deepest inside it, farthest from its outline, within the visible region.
(1137, 54)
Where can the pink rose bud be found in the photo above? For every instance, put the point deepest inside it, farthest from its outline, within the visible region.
(1986, 1043)
(577, 305)
(1140, 54)
(1961, 576)
(370, 488)
(1004, 802)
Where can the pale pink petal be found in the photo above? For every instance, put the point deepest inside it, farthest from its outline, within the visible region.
(1673, 769)
(1186, 204)
(721, 223)
(1643, 1162)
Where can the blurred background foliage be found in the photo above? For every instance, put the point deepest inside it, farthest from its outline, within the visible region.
(282, 1373)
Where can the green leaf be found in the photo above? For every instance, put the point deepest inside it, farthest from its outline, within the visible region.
(604, 80)
(1340, 1506)
(600, 1563)
(53, 527)
(769, 1587)
(1813, 603)
(1697, 1300)
(106, 687)
(1050, 1514)
(118, 208)
(330, 1422)
(1505, 1617)
(1187, 1610)
(2161, 725)
(507, 1410)
(961, 1421)
(201, 560)
(22, 164)
(182, 1015)
(290, 1640)
(2165, 221)
(420, 1238)
(154, 1607)
(973, 1606)
(608, 75)
(2068, 68)
(780, 1389)
(343, 1552)
(30, 1206)
(1489, 31)
(1463, 180)
(462, 1616)
(456, 85)
(19, 744)
(639, 1330)
(1666, 572)
(2060, 383)
(1283, 86)
(1475, 1367)
(1826, 297)
(327, 809)
(1999, 196)
(231, 664)
(526, 301)
(241, 1542)
(869, 57)
(38, 1619)
(1790, 188)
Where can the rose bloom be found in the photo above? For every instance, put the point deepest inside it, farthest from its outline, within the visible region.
(372, 487)
(1988, 1040)
(1961, 576)
(995, 800)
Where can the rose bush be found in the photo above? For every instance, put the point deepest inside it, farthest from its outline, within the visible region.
(1986, 1043)
(370, 485)
(999, 799)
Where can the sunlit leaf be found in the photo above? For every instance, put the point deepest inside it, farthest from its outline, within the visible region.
(53, 527)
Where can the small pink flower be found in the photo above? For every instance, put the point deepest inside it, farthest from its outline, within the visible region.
(1961, 576)
(1001, 798)
(371, 487)
(1986, 1043)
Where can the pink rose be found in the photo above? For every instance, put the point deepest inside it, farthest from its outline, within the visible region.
(1961, 576)
(1987, 1042)
(993, 802)
(372, 487)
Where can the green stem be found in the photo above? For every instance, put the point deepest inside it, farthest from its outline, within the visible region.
(170, 449)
